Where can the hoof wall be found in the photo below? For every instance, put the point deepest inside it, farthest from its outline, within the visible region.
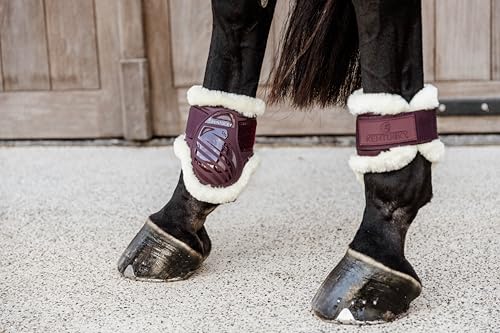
(154, 255)
(361, 290)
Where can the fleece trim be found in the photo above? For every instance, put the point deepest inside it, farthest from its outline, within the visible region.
(247, 106)
(390, 104)
(208, 193)
(396, 158)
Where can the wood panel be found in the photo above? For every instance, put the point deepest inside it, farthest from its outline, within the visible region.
(428, 37)
(463, 39)
(134, 79)
(495, 40)
(468, 89)
(164, 108)
(135, 99)
(76, 113)
(280, 18)
(2, 15)
(110, 120)
(267, 62)
(24, 46)
(46, 115)
(1, 69)
(283, 120)
(467, 124)
(191, 26)
(131, 29)
(273, 44)
(275, 34)
(72, 41)
(191, 42)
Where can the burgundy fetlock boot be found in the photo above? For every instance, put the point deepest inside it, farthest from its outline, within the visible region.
(217, 160)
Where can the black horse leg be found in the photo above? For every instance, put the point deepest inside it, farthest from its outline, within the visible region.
(238, 44)
(374, 281)
(391, 63)
(174, 242)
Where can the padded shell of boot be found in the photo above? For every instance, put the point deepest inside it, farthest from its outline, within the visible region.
(221, 142)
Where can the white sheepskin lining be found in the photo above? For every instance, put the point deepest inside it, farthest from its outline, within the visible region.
(433, 151)
(389, 104)
(396, 158)
(207, 193)
(247, 106)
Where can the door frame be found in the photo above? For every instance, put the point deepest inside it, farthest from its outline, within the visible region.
(118, 108)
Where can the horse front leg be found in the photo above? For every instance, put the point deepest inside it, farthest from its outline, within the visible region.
(216, 151)
(396, 143)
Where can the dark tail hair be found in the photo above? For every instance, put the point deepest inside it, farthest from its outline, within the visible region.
(319, 56)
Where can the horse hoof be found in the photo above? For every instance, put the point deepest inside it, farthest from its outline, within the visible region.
(154, 255)
(361, 290)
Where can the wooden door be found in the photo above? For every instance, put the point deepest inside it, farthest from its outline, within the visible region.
(461, 56)
(121, 68)
(60, 69)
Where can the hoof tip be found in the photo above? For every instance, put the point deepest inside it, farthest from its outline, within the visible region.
(345, 317)
(129, 272)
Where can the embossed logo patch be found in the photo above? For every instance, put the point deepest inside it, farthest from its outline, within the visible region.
(379, 132)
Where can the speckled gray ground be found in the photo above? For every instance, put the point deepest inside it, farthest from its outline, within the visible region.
(67, 213)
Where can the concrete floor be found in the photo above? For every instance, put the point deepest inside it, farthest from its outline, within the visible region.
(66, 214)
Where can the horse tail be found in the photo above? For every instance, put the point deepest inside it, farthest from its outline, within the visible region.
(318, 61)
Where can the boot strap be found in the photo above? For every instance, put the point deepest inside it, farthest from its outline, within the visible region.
(375, 133)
